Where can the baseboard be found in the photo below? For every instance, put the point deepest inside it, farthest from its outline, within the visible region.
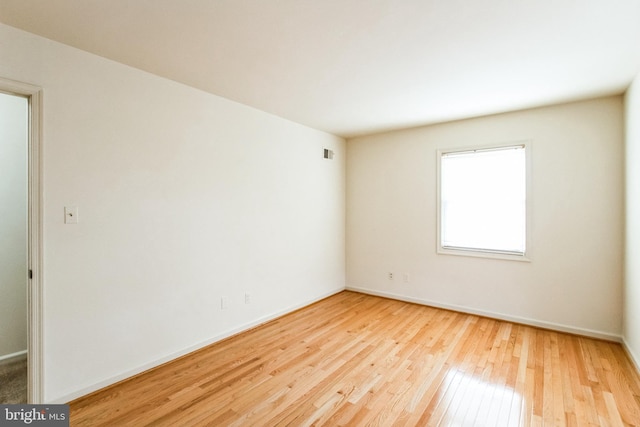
(147, 366)
(498, 316)
(632, 356)
(12, 357)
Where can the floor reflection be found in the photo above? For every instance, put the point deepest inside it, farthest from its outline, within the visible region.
(466, 400)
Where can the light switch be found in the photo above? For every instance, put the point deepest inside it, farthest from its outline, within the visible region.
(70, 214)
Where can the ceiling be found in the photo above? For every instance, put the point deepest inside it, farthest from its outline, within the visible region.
(354, 67)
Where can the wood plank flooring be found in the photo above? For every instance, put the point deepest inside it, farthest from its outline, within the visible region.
(356, 360)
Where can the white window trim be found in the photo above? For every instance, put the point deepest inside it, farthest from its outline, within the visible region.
(480, 253)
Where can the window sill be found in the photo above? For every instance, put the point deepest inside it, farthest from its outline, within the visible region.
(484, 254)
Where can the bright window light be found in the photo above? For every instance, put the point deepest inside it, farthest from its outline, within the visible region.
(483, 200)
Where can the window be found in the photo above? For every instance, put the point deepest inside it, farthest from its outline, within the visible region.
(483, 202)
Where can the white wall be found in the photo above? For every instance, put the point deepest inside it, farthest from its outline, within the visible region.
(632, 253)
(183, 198)
(13, 225)
(574, 279)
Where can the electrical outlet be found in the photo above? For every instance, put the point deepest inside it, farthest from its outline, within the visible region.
(224, 303)
(247, 297)
(405, 277)
(390, 276)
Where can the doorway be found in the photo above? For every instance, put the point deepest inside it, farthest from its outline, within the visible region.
(14, 281)
(20, 243)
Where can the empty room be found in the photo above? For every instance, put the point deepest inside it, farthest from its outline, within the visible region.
(306, 212)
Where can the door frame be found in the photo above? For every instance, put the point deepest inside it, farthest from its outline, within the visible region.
(34, 239)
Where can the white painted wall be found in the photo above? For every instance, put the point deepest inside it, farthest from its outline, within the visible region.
(574, 279)
(183, 198)
(13, 225)
(631, 329)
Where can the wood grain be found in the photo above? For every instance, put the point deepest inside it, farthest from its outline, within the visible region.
(354, 359)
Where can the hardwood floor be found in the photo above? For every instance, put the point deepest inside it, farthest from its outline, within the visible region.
(355, 359)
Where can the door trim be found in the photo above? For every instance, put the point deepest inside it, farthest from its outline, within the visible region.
(34, 288)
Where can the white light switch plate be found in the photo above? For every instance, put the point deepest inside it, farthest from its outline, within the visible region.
(70, 214)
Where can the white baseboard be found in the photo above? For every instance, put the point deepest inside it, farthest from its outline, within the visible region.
(147, 366)
(499, 316)
(632, 356)
(12, 357)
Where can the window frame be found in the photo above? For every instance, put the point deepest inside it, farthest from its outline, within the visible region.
(487, 253)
